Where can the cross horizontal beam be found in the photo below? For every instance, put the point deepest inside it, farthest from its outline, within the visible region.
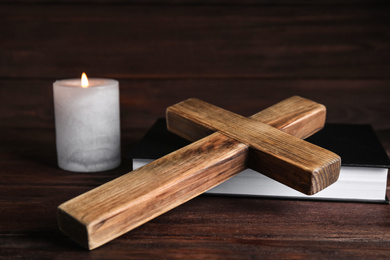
(292, 161)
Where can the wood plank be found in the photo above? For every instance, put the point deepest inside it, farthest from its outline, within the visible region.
(212, 226)
(287, 159)
(301, 117)
(104, 213)
(29, 222)
(195, 41)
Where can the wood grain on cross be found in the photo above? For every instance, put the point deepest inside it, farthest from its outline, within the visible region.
(106, 212)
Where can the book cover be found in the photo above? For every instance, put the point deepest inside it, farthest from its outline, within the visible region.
(363, 175)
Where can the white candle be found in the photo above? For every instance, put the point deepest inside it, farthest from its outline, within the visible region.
(87, 124)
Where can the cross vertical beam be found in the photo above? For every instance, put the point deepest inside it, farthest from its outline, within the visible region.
(108, 211)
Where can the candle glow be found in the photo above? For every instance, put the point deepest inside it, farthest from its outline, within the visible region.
(84, 80)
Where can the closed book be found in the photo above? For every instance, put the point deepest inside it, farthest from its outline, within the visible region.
(363, 174)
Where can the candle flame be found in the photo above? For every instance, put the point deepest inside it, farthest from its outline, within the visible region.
(84, 80)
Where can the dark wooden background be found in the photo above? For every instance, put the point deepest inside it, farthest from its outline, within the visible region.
(239, 55)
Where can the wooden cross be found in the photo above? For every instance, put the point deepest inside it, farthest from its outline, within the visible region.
(106, 212)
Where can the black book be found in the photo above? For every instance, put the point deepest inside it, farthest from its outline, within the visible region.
(363, 175)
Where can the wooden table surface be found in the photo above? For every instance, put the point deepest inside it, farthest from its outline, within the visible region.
(240, 56)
